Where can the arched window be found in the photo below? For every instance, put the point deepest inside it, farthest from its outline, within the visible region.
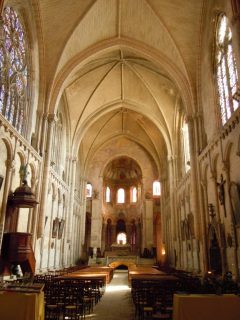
(108, 195)
(156, 188)
(88, 190)
(121, 195)
(227, 78)
(186, 149)
(133, 194)
(14, 66)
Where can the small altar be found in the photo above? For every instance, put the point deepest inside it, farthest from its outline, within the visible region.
(120, 254)
(119, 247)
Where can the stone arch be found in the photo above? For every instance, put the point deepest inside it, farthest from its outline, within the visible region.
(120, 262)
(105, 109)
(133, 45)
(227, 152)
(9, 147)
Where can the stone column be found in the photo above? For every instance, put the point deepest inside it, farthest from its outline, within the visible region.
(69, 217)
(104, 228)
(195, 187)
(36, 210)
(44, 134)
(171, 216)
(83, 211)
(148, 224)
(232, 222)
(96, 228)
(113, 234)
(203, 239)
(139, 237)
(53, 204)
(7, 185)
(46, 171)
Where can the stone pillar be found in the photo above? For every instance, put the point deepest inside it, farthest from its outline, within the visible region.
(104, 228)
(46, 171)
(7, 185)
(51, 241)
(83, 211)
(195, 187)
(96, 228)
(171, 228)
(36, 210)
(232, 222)
(128, 232)
(203, 239)
(148, 224)
(69, 217)
(139, 237)
(113, 234)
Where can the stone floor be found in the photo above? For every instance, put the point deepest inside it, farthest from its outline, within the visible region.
(116, 303)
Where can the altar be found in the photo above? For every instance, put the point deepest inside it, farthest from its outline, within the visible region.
(121, 249)
(120, 254)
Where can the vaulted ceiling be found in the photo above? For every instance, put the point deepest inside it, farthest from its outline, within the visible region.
(124, 68)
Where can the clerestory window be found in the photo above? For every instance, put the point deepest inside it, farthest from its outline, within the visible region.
(108, 195)
(226, 70)
(156, 188)
(121, 195)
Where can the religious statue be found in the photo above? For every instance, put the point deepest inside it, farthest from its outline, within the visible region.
(23, 173)
(221, 193)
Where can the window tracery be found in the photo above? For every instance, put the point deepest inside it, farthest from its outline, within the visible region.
(14, 70)
(226, 70)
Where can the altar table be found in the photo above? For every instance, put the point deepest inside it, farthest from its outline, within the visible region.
(21, 306)
(206, 307)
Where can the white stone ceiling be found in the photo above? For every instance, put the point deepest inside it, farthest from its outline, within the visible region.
(123, 68)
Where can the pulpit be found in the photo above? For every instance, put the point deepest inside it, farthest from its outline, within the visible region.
(17, 250)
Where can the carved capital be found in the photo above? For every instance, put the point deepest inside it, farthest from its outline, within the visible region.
(10, 164)
(52, 119)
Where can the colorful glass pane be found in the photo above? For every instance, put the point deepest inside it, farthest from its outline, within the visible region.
(13, 59)
(227, 79)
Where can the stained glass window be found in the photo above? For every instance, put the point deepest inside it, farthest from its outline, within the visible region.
(13, 69)
(226, 70)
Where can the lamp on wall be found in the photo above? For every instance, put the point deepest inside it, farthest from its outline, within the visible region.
(163, 250)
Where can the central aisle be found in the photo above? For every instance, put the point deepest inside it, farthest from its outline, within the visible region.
(116, 302)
